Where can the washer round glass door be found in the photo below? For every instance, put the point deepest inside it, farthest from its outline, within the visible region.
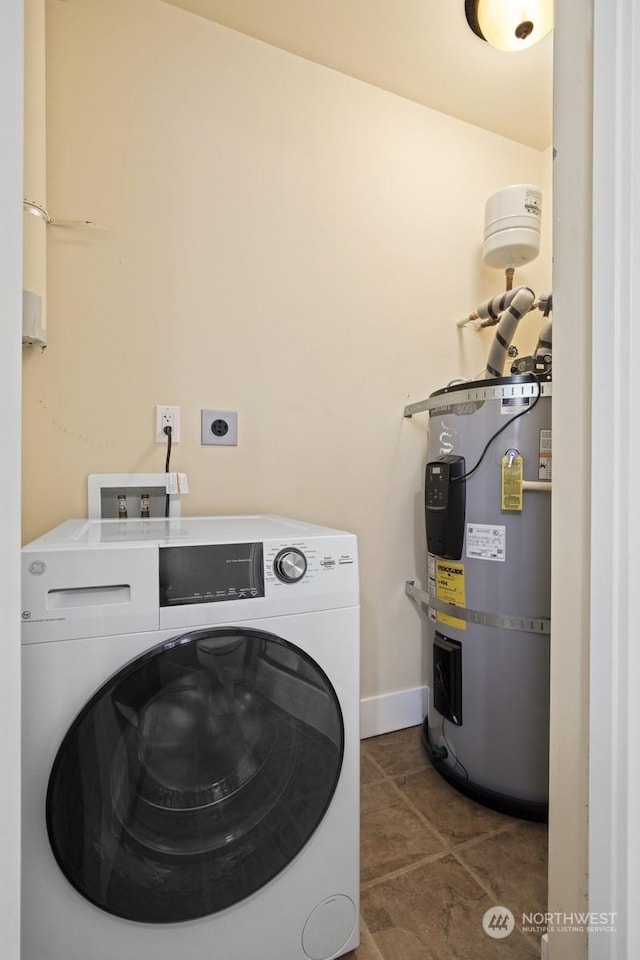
(194, 775)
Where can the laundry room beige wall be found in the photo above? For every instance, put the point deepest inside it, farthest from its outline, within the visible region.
(273, 237)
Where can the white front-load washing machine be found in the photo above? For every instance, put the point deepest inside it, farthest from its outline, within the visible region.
(190, 741)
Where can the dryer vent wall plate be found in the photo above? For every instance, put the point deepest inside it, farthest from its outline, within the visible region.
(219, 428)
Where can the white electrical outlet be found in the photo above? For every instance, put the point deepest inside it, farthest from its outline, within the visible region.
(168, 417)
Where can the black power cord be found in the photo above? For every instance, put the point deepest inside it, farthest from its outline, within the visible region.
(536, 378)
(457, 762)
(440, 683)
(168, 430)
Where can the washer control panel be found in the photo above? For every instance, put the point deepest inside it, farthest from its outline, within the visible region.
(311, 564)
(97, 578)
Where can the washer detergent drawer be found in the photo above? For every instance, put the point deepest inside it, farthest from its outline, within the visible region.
(69, 594)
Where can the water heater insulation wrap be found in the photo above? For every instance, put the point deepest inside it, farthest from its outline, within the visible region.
(502, 743)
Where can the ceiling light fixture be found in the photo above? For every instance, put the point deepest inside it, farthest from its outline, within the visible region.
(510, 24)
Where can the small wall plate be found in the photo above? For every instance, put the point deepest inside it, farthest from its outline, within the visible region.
(220, 428)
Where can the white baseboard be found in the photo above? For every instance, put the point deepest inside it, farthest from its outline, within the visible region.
(393, 711)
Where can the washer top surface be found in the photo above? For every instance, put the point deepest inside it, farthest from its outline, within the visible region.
(79, 534)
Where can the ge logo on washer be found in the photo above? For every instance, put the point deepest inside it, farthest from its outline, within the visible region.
(37, 568)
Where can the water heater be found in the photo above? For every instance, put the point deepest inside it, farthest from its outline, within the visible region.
(488, 525)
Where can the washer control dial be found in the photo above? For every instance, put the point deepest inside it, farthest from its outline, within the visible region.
(290, 565)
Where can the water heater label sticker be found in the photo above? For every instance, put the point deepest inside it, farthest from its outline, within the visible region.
(512, 468)
(486, 542)
(450, 589)
(544, 463)
(511, 405)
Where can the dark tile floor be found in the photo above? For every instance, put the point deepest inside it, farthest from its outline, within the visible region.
(434, 861)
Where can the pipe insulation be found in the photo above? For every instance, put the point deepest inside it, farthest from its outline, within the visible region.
(490, 311)
(521, 303)
(545, 303)
(493, 308)
(544, 345)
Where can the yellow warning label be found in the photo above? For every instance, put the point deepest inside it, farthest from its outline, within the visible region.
(450, 589)
(512, 469)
